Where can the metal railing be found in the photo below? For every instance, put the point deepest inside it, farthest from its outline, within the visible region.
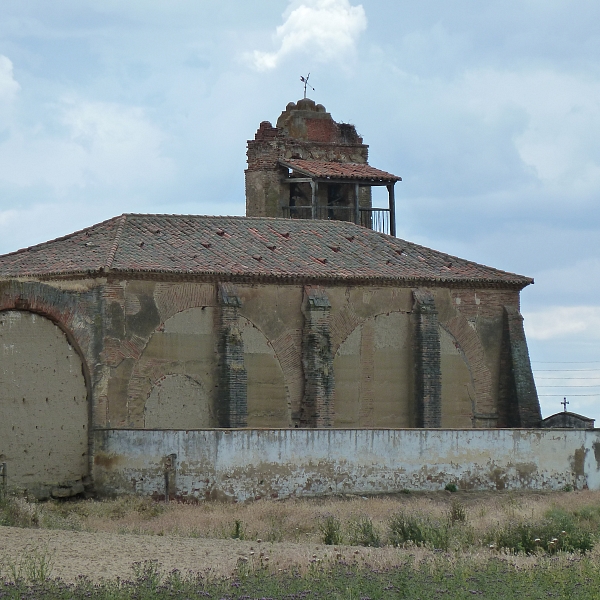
(377, 219)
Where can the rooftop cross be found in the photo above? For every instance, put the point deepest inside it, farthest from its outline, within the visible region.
(564, 403)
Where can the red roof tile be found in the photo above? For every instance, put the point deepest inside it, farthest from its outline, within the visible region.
(323, 169)
(245, 247)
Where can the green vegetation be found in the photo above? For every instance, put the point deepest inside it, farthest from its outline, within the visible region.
(331, 531)
(437, 577)
(493, 546)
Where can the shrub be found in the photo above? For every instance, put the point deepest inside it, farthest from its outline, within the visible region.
(406, 529)
(457, 513)
(15, 511)
(559, 531)
(364, 533)
(451, 487)
(238, 530)
(331, 530)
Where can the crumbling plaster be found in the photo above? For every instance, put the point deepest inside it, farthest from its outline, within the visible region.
(239, 465)
(149, 349)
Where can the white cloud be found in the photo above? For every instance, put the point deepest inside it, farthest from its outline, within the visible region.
(563, 321)
(562, 122)
(101, 143)
(8, 86)
(328, 29)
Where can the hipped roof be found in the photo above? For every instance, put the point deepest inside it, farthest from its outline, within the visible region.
(246, 248)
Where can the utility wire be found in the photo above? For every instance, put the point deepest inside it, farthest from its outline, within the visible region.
(569, 395)
(565, 370)
(566, 362)
(543, 378)
(569, 386)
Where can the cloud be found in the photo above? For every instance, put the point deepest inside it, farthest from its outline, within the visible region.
(8, 86)
(87, 143)
(328, 29)
(563, 321)
(558, 140)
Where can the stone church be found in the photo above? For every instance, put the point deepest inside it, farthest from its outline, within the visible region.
(306, 313)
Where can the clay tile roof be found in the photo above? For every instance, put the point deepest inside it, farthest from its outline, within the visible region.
(323, 169)
(245, 247)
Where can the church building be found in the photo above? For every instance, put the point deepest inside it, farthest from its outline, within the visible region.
(306, 313)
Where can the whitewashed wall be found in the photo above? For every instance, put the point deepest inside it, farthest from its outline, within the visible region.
(240, 464)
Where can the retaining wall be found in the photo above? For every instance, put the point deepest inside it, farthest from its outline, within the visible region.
(241, 464)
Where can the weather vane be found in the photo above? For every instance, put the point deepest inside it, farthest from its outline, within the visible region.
(304, 80)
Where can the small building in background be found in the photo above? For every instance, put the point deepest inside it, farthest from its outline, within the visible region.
(567, 420)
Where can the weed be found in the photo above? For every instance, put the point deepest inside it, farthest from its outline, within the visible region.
(364, 533)
(558, 531)
(405, 529)
(451, 487)
(15, 511)
(34, 565)
(331, 531)
(238, 530)
(457, 513)
(147, 574)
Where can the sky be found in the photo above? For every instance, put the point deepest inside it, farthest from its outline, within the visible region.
(490, 112)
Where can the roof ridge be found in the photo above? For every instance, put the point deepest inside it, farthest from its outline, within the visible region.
(113, 250)
(329, 222)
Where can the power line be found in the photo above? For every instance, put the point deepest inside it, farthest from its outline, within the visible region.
(569, 395)
(567, 378)
(569, 386)
(565, 362)
(565, 370)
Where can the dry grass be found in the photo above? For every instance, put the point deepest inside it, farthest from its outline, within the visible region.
(298, 520)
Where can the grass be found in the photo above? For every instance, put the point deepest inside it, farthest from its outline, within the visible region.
(440, 576)
(438, 520)
(444, 545)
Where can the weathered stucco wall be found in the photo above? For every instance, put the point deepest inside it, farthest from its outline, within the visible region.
(155, 348)
(44, 414)
(245, 464)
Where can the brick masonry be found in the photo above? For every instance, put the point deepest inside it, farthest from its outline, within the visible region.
(232, 409)
(519, 401)
(317, 360)
(428, 383)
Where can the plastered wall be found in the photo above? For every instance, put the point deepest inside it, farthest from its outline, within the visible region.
(43, 403)
(239, 465)
(162, 363)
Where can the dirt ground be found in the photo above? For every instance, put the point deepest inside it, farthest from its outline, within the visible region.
(107, 555)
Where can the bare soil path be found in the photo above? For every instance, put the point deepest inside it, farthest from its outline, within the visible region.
(108, 555)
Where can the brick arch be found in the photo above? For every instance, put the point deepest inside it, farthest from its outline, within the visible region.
(172, 298)
(451, 412)
(145, 375)
(283, 346)
(70, 311)
(288, 350)
(342, 324)
(374, 394)
(471, 347)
